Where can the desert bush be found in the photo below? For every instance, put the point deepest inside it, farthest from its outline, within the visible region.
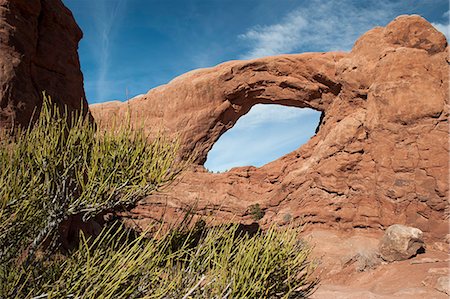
(256, 212)
(63, 166)
(222, 263)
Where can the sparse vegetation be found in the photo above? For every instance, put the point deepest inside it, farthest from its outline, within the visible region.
(63, 167)
(256, 212)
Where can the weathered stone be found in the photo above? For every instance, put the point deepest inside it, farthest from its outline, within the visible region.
(38, 52)
(443, 285)
(380, 156)
(442, 271)
(400, 243)
(363, 260)
(447, 238)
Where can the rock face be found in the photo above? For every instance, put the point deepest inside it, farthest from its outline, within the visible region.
(38, 52)
(400, 243)
(380, 155)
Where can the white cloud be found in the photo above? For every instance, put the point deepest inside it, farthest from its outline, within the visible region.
(278, 38)
(318, 26)
(267, 113)
(266, 133)
(445, 29)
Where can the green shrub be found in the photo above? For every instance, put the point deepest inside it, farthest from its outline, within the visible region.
(63, 166)
(256, 212)
(221, 263)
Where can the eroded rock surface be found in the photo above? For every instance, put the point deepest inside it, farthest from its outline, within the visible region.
(38, 52)
(443, 285)
(380, 156)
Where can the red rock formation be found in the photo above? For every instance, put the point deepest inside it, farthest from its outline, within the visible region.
(38, 52)
(380, 156)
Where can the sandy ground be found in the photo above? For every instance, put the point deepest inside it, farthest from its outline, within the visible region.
(350, 268)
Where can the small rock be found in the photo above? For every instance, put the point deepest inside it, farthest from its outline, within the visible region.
(443, 285)
(442, 271)
(425, 260)
(447, 238)
(441, 246)
(363, 260)
(400, 243)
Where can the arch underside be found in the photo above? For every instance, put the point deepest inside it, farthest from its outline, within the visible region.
(308, 88)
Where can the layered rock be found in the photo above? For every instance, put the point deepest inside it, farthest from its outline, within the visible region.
(380, 155)
(38, 52)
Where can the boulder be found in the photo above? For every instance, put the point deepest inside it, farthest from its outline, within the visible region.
(38, 52)
(380, 155)
(400, 243)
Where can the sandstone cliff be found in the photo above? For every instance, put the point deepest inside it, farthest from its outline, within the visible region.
(38, 52)
(380, 156)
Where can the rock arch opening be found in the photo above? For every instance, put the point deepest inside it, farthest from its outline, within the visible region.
(266, 133)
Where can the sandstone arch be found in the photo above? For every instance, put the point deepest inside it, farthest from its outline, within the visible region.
(380, 156)
(216, 98)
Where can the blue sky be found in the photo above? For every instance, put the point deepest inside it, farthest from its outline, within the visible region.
(265, 133)
(131, 46)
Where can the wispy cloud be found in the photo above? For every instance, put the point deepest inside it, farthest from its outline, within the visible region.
(106, 16)
(278, 38)
(318, 26)
(444, 27)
